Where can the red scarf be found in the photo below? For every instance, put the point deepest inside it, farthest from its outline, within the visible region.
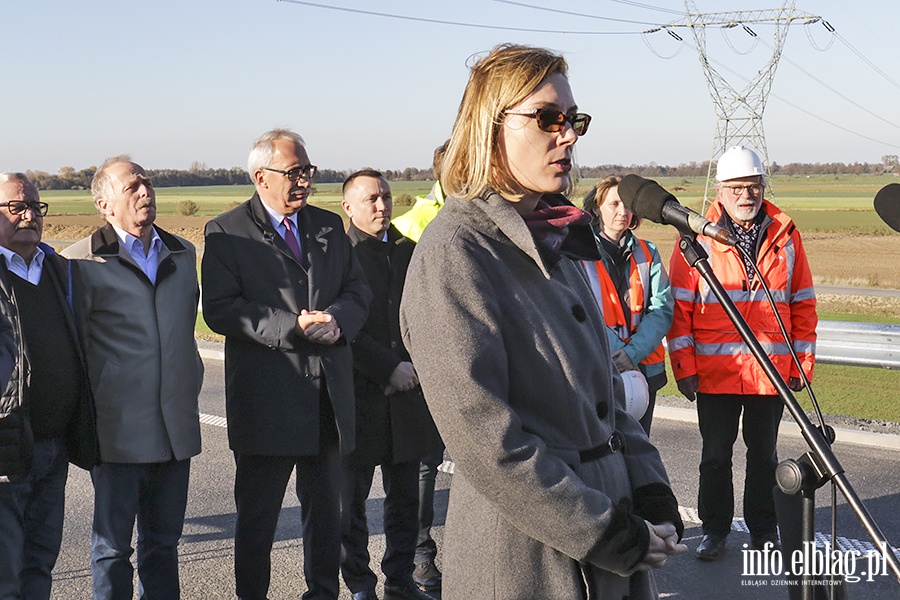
(549, 225)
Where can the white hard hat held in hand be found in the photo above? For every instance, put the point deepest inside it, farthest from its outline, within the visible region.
(637, 393)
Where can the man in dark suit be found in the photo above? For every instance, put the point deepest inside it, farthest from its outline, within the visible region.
(393, 426)
(281, 284)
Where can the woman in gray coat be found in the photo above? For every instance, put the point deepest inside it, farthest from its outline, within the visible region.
(557, 493)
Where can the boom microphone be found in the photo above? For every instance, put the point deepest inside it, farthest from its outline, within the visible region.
(887, 205)
(649, 200)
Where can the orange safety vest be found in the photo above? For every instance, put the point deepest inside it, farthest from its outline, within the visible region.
(639, 287)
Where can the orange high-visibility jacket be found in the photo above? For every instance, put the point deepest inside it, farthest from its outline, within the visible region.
(704, 342)
(641, 287)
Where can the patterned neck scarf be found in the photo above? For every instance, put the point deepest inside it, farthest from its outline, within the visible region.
(549, 225)
(747, 241)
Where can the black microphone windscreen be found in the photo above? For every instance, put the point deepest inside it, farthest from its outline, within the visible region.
(887, 205)
(644, 197)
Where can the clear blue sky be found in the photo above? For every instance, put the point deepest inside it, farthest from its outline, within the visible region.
(178, 81)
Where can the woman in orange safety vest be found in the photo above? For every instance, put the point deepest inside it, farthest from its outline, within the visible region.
(632, 288)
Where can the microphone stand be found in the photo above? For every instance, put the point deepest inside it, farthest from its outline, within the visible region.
(817, 466)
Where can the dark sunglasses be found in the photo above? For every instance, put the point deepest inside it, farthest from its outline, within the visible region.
(307, 172)
(17, 207)
(554, 121)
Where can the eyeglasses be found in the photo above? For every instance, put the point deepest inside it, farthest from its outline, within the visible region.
(754, 189)
(17, 207)
(554, 121)
(307, 172)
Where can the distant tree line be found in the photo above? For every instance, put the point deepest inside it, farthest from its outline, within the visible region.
(199, 174)
(69, 179)
(889, 164)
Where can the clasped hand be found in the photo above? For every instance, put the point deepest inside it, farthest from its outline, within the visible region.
(319, 326)
(663, 544)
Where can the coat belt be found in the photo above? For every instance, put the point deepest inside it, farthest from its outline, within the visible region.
(615, 443)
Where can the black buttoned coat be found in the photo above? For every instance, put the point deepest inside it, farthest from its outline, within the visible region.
(253, 291)
(396, 428)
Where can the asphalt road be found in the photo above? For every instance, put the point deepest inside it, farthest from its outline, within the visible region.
(207, 545)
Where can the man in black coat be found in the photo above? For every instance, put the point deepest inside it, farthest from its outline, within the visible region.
(46, 409)
(393, 426)
(281, 284)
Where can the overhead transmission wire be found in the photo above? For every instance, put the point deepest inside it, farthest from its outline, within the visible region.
(731, 45)
(815, 44)
(645, 37)
(454, 23)
(836, 35)
(791, 104)
(671, 11)
(855, 13)
(574, 14)
(864, 59)
(643, 34)
(831, 89)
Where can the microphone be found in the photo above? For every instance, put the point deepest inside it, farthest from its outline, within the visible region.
(887, 205)
(649, 200)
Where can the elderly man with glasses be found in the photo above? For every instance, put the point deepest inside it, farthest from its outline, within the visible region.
(46, 409)
(281, 284)
(711, 362)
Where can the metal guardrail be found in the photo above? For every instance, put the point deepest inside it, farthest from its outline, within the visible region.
(858, 344)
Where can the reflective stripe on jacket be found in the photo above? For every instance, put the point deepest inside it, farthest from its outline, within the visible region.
(650, 303)
(704, 342)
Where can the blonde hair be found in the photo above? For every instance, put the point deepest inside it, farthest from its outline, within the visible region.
(596, 196)
(500, 80)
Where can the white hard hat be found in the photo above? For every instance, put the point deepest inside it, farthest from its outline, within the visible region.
(637, 393)
(738, 162)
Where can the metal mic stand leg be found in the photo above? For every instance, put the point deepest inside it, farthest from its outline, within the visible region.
(798, 481)
(821, 456)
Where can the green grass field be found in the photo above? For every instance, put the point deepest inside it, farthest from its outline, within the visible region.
(213, 200)
(817, 203)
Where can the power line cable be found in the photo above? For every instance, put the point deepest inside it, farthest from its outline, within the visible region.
(649, 7)
(530, 30)
(854, 13)
(574, 14)
(646, 38)
(731, 45)
(831, 89)
(454, 23)
(791, 104)
(841, 127)
(814, 43)
(864, 59)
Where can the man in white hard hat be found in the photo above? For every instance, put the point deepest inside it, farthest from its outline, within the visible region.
(712, 364)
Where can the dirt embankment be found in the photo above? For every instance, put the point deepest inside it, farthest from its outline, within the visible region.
(71, 228)
(835, 258)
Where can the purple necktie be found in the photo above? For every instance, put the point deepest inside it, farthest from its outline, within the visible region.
(291, 240)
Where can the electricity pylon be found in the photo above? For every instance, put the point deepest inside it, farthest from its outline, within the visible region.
(739, 113)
